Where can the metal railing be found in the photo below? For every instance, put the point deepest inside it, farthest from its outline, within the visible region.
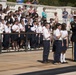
(26, 39)
(26, 43)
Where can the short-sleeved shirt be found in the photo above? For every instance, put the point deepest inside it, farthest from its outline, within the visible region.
(22, 27)
(7, 29)
(46, 34)
(64, 34)
(57, 32)
(16, 27)
(65, 14)
(44, 15)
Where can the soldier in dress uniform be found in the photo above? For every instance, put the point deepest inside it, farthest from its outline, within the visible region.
(73, 38)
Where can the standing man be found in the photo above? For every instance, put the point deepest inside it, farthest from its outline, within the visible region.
(46, 42)
(64, 15)
(73, 38)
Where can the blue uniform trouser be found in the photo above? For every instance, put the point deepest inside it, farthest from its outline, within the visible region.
(46, 49)
(74, 50)
(58, 49)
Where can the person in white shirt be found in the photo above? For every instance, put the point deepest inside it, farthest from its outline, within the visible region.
(1, 28)
(57, 45)
(33, 36)
(39, 36)
(46, 42)
(15, 29)
(64, 33)
(2, 24)
(7, 30)
(22, 30)
(34, 26)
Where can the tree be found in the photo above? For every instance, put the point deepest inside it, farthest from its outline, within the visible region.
(54, 2)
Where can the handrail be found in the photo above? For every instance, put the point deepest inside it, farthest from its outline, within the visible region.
(21, 33)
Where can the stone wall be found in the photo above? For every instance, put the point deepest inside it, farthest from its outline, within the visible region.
(49, 9)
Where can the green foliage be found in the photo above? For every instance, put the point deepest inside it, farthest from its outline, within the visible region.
(54, 2)
(11, 0)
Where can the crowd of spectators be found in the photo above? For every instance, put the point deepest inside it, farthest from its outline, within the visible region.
(23, 21)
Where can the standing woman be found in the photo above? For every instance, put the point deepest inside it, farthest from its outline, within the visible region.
(46, 42)
(15, 30)
(57, 45)
(64, 43)
(22, 30)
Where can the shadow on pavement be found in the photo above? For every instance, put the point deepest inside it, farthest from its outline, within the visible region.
(52, 71)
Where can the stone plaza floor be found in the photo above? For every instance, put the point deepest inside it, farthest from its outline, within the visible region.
(29, 63)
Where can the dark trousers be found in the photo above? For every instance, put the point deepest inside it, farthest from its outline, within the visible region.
(39, 40)
(46, 45)
(58, 49)
(74, 50)
(6, 40)
(33, 40)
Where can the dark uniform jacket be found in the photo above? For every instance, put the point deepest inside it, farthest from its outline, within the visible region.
(73, 28)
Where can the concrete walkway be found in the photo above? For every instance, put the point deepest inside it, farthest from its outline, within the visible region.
(24, 62)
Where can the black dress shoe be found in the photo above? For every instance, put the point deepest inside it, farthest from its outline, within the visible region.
(62, 62)
(74, 60)
(44, 62)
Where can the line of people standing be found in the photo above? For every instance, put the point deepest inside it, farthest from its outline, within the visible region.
(60, 44)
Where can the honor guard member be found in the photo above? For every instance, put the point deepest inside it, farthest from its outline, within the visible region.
(73, 38)
(46, 42)
(57, 45)
(7, 30)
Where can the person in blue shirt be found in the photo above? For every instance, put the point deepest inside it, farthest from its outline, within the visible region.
(44, 15)
(64, 15)
(19, 1)
(35, 2)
